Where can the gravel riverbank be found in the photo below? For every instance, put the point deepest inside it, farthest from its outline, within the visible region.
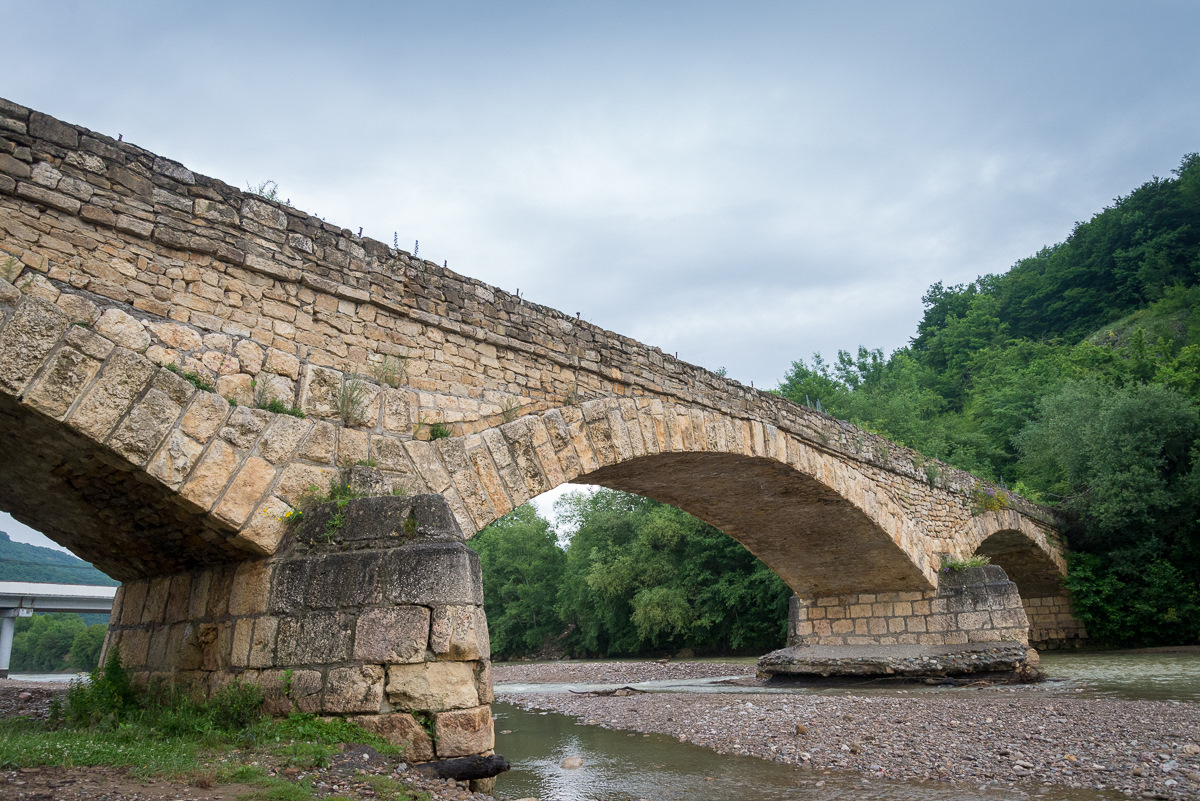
(1010, 736)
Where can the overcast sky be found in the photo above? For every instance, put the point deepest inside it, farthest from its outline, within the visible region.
(744, 183)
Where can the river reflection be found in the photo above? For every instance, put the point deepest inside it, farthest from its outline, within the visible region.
(618, 766)
(621, 766)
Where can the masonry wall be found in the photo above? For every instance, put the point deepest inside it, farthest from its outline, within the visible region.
(377, 616)
(971, 606)
(241, 289)
(1052, 623)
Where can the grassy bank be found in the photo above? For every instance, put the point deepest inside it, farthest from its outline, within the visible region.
(159, 732)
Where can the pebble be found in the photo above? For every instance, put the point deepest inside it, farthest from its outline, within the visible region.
(1014, 737)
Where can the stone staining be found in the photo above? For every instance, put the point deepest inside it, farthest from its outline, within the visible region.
(332, 625)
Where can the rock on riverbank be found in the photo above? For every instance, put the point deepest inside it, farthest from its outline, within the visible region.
(1006, 736)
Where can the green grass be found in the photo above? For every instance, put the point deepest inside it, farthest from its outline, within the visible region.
(162, 732)
(192, 377)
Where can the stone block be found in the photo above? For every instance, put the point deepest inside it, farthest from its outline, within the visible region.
(133, 598)
(123, 330)
(318, 638)
(282, 437)
(27, 339)
(247, 489)
(459, 633)
(243, 631)
(177, 598)
(968, 621)
(205, 416)
(435, 574)
(483, 681)
(124, 375)
(251, 588)
(344, 580)
(463, 731)
(286, 690)
(402, 729)
(63, 382)
(288, 586)
(392, 634)
(354, 689)
(139, 434)
(210, 476)
(432, 686)
(266, 529)
(262, 642)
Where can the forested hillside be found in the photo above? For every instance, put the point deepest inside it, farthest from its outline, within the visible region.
(1075, 378)
(20, 561)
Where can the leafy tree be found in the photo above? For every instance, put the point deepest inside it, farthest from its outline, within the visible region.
(522, 570)
(42, 643)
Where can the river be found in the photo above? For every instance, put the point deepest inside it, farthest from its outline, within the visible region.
(657, 767)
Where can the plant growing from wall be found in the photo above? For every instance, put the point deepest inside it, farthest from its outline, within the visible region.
(432, 430)
(200, 382)
(572, 398)
(264, 398)
(510, 409)
(950, 565)
(988, 499)
(352, 397)
(391, 370)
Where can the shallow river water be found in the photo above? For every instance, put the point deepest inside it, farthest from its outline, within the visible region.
(620, 765)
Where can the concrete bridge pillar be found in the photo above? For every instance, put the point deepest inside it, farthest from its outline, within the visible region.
(372, 611)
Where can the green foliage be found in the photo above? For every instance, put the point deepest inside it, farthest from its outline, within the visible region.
(952, 565)
(352, 399)
(268, 190)
(1134, 600)
(86, 647)
(1076, 377)
(636, 577)
(192, 377)
(20, 561)
(391, 370)
(522, 572)
(988, 499)
(55, 642)
(105, 699)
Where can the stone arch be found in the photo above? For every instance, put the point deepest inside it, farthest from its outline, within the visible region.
(1033, 558)
(818, 521)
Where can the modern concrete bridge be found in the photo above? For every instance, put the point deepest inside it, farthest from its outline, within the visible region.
(26, 598)
(147, 310)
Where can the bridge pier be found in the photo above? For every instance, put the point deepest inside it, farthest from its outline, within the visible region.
(372, 610)
(973, 622)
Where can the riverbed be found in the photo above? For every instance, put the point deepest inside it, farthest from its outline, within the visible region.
(1105, 726)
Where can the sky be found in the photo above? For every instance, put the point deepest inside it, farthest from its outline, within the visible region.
(742, 184)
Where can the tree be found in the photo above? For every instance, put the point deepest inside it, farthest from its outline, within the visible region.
(522, 570)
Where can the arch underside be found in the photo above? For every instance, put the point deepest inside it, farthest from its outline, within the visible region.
(1026, 564)
(91, 501)
(818, 542)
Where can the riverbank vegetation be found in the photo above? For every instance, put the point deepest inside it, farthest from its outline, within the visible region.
(55, 643)
(636, 577)
(1075, 379)
(159, 731)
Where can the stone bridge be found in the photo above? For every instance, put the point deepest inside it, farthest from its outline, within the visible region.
(157, 325)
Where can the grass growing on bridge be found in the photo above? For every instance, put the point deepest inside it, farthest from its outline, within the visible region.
(161, 732)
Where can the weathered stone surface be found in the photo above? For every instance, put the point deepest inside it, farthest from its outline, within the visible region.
(402, 729)
(139, 435)
(437, 573)
(122, 378)
(460, 633)
(392, 634)
(915, 661)
(464, 731)
(246, 491)
(123, 330)
(344, 580)
(26, 340)
(354, 689)
(61, 385)
(318, 638)
(432, 686)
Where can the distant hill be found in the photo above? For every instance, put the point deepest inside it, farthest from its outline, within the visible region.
(22, 562)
